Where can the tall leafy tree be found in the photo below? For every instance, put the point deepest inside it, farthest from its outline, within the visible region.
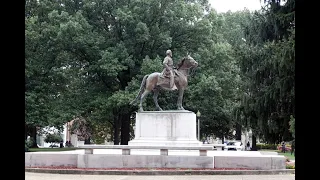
(267, 63)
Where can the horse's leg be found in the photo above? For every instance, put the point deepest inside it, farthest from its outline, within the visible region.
(145, 93)
(179, 102)
(155, 99)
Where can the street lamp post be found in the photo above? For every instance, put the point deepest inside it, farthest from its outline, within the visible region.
(198, 116)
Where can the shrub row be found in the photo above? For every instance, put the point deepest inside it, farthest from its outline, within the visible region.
(267, 146)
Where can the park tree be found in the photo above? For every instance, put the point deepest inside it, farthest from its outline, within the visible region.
(133, 31)
(231, 31)
(214, 90)
(41, 78)
(53, 66)
(213, 87)
(267, 65)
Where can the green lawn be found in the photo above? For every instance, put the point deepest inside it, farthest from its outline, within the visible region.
(51, 149)
(287, 154)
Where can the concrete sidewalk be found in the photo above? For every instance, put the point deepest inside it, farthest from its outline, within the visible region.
(41, 176)
(159, 172)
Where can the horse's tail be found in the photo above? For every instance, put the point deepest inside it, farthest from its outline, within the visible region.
(142, 87)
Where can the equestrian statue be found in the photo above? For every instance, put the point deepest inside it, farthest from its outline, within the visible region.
(171, 78)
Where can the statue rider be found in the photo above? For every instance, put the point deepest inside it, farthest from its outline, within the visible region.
(168, 69)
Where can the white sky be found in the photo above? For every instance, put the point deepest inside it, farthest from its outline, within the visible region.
(235, 5)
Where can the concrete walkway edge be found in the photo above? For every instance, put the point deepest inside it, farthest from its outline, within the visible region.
(161, 172)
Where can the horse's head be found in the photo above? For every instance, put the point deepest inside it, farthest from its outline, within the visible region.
(187, 63)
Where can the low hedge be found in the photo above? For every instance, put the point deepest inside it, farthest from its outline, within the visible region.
(273, 147)
(267, 146)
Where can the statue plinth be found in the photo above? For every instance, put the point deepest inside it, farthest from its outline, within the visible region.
(165, 128)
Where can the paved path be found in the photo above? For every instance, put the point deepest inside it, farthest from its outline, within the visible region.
(40, 176)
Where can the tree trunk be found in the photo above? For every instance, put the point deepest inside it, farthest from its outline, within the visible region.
(222, 141)
(279, 139)
(34, 137)
(286, 134)
(116, 126)
(125, 128)
(238, 132)
(254, 143)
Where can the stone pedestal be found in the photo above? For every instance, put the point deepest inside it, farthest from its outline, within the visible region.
(165, 128)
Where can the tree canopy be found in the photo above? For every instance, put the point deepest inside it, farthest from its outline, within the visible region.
(85, 59)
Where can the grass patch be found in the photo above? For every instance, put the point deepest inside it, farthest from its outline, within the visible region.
(287, 154)
(51, 149)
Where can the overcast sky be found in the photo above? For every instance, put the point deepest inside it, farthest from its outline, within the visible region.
(235, 5)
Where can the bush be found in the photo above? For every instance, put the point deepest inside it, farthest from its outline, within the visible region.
(26, 148)
(267, 146)
(28, 144)
(53, 138)
(290, 166)
(98, 140)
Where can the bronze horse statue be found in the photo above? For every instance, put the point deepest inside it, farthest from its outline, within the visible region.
(151, 82)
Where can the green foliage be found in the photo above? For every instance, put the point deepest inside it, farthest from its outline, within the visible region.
(213, 90)
(53, 138)
(290, 166)
(26, 148)
(292, 126)
(267, 62)
(86, 59)
(267, 146)
(27, 145)
(101, 132)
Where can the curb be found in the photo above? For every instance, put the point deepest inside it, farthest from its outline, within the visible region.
(161, 172)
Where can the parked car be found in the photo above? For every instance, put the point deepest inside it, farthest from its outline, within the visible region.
(234, 145)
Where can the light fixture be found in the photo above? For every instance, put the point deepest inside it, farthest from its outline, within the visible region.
(198, 114)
